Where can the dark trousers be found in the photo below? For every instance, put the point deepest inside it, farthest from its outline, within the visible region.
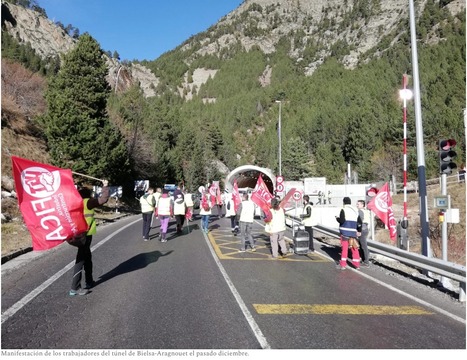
(309, 230)
(147, 218)
(83, 262)
(180, 219)
(364, 253)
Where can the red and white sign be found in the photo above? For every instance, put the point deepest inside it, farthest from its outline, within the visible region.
(280, 187)
(279, 179)
(51, 206)
(297, 195)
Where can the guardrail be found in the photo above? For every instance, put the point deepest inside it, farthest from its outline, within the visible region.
(444, 268)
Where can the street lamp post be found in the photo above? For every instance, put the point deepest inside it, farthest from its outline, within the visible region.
(405, 94)
(279, 135)
(419, 135)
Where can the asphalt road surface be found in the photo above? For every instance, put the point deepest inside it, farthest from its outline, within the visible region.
(196, 291)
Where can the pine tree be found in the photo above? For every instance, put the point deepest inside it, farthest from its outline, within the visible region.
(79, 133)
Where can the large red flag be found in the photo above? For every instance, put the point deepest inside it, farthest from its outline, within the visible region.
(51, 206)
(381, 205)
(262, 197)
(215, 192)
(237, 199)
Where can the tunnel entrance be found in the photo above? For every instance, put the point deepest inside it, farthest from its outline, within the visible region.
(247, 177)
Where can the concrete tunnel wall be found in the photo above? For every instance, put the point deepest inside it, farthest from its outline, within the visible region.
(247, 176)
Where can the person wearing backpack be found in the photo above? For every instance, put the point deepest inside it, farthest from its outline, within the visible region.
(84, 255)
(147, 202)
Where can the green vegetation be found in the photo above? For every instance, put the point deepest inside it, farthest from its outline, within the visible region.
(79, 133)
(333, 117)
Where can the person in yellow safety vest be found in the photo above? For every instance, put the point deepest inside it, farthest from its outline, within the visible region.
(164, 211)
(350, 226)
(308, 221)
(84, 257)
(147, 202)
(365, 216)
(276, 229)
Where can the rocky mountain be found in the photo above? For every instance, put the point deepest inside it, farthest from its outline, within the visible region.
(352, 27)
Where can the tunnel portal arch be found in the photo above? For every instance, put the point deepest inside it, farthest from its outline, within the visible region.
(247, 176)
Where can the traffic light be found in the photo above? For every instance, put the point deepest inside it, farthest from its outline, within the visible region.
(446, 154)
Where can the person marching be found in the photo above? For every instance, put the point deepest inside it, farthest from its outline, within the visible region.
(307, 221)
(350, 227)
(205, 211)
(164, 212)
(246, 215)
(179, 211)
(147, 202)
(189, 206)
(84, 256)
(230, 213)
(276, 229)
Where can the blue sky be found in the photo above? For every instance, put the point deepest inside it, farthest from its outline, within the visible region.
(139, 29)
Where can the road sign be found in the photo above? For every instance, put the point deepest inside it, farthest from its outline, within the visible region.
(279, 179)
(280, 187)
(297, 195)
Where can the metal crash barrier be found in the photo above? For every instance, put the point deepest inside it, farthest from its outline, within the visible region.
(443, 268)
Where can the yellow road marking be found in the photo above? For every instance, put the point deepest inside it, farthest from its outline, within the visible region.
(226, 248)
(290, 309)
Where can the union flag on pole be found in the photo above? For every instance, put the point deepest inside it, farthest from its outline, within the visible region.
(51, 206)
(381, 205)
(237, 199)
(262, 197)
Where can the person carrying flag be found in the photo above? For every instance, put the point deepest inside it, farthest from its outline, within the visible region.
(84, 255)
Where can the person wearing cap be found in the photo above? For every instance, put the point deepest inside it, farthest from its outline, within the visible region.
(350, 227)
(84, 256)
(276, 229)
(164, 211)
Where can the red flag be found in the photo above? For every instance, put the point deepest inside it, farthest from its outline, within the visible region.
(51, 206)
(381, 205)
(237, 199)
(285, 201)
(262, 197)
(215, 193)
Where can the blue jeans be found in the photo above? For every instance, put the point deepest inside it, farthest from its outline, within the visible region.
(205, 222)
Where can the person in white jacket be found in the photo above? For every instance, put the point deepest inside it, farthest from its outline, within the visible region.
(230, 213)
(276, 229)
(246, 215)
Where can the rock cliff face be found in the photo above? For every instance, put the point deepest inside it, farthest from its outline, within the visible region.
(49, 40)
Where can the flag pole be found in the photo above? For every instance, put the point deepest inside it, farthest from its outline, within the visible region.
(90, 177)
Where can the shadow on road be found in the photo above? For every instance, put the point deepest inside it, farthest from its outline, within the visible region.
(137, 262)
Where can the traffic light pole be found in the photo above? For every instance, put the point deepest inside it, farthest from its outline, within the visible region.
(419, 134)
